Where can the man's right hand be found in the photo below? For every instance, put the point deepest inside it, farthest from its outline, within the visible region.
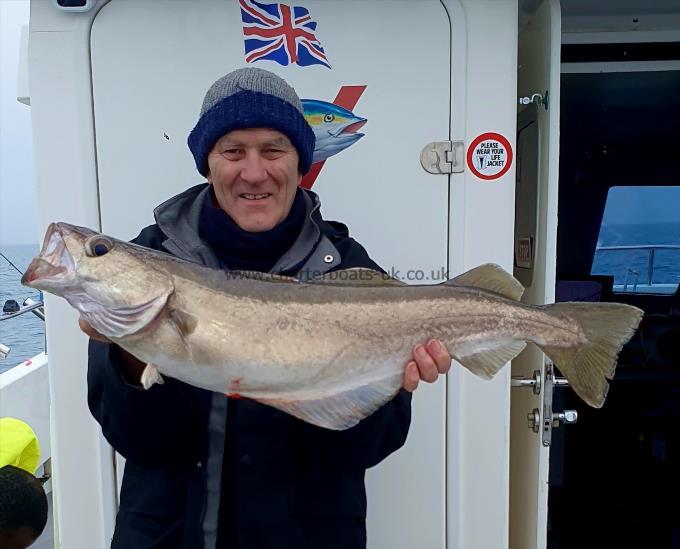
(90, 331)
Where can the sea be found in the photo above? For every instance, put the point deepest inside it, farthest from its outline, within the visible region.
(24, 334)
(629, 266)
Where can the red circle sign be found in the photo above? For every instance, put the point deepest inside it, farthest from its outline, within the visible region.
(489, 156)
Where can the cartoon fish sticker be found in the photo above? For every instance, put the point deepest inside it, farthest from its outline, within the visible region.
(335, 128)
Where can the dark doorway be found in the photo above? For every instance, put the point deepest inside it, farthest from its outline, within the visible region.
(615, 475)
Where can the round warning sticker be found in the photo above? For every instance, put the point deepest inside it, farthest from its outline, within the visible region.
(489, 156)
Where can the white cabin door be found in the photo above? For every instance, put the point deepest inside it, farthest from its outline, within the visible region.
(535, 253)
(383, 94)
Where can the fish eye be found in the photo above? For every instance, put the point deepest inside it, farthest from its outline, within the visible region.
(97, 246)
(329, 117)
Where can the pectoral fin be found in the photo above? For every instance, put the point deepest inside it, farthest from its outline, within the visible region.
(184, 322)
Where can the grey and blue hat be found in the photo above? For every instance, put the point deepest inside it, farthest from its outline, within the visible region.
(251, 98)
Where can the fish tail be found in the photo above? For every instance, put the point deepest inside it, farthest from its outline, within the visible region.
(589, 366)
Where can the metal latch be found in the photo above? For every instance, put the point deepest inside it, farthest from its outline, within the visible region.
(534, 382)
(536, 98)
(442, 157)
(551, 420)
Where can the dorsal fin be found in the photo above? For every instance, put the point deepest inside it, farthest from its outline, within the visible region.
(490, 277)
(357, 276)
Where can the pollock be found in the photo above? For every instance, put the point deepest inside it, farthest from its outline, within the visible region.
(329, 351)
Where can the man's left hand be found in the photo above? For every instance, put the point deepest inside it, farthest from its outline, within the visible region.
(428, 362)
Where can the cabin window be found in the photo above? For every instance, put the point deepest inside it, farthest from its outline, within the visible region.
(639, 240)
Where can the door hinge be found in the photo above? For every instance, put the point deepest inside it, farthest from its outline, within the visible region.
(443, 157)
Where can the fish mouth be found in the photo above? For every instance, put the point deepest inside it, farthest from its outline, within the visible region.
(354, 126)
(54, 266)
(349, 129)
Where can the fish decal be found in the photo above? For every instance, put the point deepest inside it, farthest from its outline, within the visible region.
(330, 351)
(335, 127)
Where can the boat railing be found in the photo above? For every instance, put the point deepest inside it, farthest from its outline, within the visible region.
(25, 395)
(651, 250)
(11, 309)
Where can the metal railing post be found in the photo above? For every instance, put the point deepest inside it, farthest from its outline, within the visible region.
(650, 266)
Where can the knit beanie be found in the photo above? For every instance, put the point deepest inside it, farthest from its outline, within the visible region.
(251, 98)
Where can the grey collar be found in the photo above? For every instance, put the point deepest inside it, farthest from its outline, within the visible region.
(312, 254)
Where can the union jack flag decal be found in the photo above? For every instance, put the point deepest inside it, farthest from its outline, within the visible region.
(281, 33)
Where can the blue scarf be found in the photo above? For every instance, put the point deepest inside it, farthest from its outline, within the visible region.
(249, 251)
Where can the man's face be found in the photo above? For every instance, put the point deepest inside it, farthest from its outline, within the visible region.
(254, 173)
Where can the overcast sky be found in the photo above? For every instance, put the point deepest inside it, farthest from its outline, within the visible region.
(18, 219)
(642, 205)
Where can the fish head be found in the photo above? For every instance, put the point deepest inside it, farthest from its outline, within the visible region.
(335, 128)
(111, 283)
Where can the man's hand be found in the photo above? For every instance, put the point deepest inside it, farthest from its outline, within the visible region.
(428, 362)
(90, 331)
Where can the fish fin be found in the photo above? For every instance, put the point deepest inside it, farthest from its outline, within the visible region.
(490, 277)
(184, 322)
(488, 362)
(589, 367)
(357, 276)
(344, 409)
(257, 275)
(151, 376)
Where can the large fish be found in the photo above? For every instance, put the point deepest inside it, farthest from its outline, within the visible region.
(329, 351)
(335, 127)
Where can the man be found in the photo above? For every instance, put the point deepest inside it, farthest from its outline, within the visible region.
(23, 508)
(206, 471)
(23, 503)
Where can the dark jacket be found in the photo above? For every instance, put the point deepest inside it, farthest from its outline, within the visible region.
(290, 484)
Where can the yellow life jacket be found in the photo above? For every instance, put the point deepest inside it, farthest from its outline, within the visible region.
(18, 445)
